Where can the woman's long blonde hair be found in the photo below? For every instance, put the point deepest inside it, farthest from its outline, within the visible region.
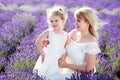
(89, 15)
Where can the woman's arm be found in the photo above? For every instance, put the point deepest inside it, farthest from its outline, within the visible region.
(90, 63)
(39, 43)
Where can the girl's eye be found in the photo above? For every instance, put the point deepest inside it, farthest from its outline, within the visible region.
(56, 20)
(51, 21)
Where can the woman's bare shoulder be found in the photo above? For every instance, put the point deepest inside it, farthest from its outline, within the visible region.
(72, 31)
(92, 39)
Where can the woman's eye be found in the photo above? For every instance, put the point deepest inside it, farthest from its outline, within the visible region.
(78, 20)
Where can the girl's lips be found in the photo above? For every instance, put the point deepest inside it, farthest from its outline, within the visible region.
(77, 26)
(54, 26)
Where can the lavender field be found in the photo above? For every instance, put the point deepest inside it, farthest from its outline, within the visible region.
(22, 21)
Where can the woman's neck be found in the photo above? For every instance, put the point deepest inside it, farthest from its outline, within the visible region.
(85, 33)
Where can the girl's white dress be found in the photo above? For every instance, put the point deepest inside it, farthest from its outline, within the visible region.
(54, 50)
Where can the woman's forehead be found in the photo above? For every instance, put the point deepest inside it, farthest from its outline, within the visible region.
(79, 18)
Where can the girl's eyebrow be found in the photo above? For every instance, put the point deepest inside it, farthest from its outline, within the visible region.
(51, 20)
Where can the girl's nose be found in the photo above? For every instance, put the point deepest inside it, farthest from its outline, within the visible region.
(53, 23)
(75, 23)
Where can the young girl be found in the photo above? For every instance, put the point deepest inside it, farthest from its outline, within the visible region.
(47, 64)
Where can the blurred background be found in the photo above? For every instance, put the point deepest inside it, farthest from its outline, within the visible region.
(21, 21)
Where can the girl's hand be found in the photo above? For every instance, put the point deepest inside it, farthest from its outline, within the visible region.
(62, 63)
(42, 57)
(63, 57)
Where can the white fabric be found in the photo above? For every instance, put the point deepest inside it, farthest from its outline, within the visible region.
(54, 50)
(77, 52)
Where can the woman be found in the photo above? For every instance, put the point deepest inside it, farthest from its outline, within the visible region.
(83, 46)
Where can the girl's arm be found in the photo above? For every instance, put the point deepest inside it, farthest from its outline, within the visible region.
(63, 57)
(67, 41)
(66, 44)
(90, 63)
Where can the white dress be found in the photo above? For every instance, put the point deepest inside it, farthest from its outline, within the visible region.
(77, 53)
(54, 50)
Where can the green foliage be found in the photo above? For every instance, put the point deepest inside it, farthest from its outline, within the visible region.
(1, 67)
(24, 64)
(104, 34)
(99, 9)
(3, 54)
(118, 24)
(116, 63)
(30, 21)
(110, 50)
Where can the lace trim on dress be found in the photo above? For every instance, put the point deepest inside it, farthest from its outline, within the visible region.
(92, 48)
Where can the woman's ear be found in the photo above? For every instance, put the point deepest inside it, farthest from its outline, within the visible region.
(63, 20)
(88, 24)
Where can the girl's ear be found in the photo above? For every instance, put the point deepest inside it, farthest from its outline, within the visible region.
(63, 21)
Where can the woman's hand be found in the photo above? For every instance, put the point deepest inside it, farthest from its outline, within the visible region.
(62, 63)
(45, 43)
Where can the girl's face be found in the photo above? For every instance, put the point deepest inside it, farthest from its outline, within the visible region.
(81, 25)
(56, 22)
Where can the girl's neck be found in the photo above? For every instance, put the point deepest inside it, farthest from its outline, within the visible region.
(58, 31)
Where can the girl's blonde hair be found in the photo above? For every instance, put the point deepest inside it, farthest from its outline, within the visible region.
(57, 11)
(89, 15)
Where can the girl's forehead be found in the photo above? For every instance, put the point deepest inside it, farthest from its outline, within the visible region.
(54, 17)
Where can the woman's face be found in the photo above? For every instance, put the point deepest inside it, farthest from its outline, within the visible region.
(56, 22)
(81, 25)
